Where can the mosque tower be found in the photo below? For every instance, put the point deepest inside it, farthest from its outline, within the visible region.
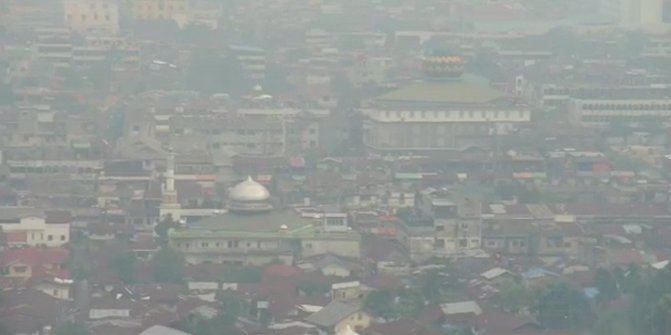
(169, 203)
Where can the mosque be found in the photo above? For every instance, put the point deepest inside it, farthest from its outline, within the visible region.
(252, 231)
(448, 109)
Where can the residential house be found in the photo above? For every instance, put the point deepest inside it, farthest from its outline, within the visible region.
(337, 316)
(26, 263)
(461, 315)
(508, 237)
(347, 291)
(110, 307)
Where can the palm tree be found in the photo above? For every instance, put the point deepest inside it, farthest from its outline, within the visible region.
(662, 316)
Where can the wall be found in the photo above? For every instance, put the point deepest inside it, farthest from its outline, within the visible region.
(335, 270)
(13, 273)
(360, 320)
(341, 247)
(57, 291)
(95, 313)
(96, 15)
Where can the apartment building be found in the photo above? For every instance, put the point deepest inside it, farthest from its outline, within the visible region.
(159, 9)
(92, 15)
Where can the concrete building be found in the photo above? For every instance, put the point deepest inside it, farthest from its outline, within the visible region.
(446, 111)
(252, 233)
(601, 107)
(28, 227)
(642, 14)
(91, 15)
(160, 9)
(444, 227)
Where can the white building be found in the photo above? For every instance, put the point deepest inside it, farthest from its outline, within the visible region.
(92, 15)
(642, 14)
(26, 227)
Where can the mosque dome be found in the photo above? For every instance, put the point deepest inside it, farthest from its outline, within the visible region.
(442, 65)
(249, 191)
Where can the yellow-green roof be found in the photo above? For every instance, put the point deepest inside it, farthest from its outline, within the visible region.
(266, 225)
(458, 92)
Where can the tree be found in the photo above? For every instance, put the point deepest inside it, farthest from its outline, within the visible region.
(123, 265)
(276, 80)
(409, 302)
(7, 96)
(661, 317)
(606, 283)
(561, 306)
(430, 285)
(71, 328)
(224, 323)
(650, 303)
(380, 303)
(513, 296)
(163, 227)
(168, 266)
(216, 74)
(242, 274)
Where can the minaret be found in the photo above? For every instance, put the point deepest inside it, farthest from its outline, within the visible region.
(169, 203)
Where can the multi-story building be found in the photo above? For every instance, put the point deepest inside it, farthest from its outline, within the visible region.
(28, 227)
(92, 15)
(601, 107)
(252, 60)
(250, 131)
(159, 9)
(442, 228)
(645, 14)
(447, 111)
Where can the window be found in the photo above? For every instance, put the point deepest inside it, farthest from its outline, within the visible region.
(308, 246)
(20, 269)
(54, 292)
(50, 238)
(463, 243)
(440, 228)
(204, 245)
(491, 243)
(439, 244)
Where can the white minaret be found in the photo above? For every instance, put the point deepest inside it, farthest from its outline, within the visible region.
(169, 203)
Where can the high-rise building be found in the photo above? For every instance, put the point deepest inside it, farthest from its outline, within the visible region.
(642, 14)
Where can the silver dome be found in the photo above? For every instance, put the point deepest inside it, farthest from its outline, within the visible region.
(249, 190)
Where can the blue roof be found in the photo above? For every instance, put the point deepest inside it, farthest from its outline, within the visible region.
(537, 273)
(591, 292)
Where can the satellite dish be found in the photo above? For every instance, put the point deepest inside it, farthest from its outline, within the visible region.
(284, 227)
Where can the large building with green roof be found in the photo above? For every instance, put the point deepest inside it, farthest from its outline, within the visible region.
(266, 235)
(447, 110)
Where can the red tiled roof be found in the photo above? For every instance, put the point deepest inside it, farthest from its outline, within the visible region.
(35, 256)
(280, 270)
(60, 217)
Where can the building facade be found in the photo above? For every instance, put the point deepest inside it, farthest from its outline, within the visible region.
(159, 9)
(448, 110)
(92, 15)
